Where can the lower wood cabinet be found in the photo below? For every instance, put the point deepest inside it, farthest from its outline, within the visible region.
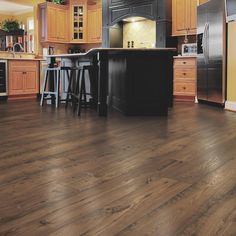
(23, 77)
(185, 78)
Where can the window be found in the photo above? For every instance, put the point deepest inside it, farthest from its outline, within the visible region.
(30, 34)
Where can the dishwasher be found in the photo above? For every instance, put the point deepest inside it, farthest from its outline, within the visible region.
(3, 79)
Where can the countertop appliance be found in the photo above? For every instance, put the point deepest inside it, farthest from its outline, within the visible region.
(3, 78)
(211, 59)
(230, 10)
(189, 49)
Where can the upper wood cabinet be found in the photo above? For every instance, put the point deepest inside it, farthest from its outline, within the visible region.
(54, 21)
(184, 17)
(94, 24)
(78, 21)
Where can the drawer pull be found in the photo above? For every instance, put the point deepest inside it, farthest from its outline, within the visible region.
(184, 88)
(184, 74)
(184, 62)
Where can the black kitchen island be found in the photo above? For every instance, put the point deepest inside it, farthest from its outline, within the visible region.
(133, 81)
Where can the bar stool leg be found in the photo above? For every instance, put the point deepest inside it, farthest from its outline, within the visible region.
(81, 81)
(58, 73)
(76, 91)
(69, 90)
(44, 87)
(93, 86)
(83, 91)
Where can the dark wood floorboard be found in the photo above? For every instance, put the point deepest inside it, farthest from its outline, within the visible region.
(61, 175)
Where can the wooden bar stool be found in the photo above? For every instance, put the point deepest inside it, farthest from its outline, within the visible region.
(78, 95)
(49, 93)
(70, 94)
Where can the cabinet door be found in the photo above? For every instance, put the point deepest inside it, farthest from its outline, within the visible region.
(52, 23)
(30, 82)
(95, 25)
(79, 22)
(179, 17)
(191, 13)
(61, 25)
(16, 82)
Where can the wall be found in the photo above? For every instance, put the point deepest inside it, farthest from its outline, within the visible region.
(23, 17)
(4, 17)
(20, 18)
(231, 70)
(143, 33)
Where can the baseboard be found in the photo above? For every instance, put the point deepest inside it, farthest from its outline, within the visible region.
(22, 97)
(231, 106)
(181, 98)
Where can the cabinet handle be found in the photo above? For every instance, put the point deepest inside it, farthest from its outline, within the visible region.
(184, 74)
(184, 87)
(184, 62)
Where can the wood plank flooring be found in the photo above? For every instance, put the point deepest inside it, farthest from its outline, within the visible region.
(92, 176)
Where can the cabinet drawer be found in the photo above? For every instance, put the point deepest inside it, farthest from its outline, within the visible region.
(185, 62)
(184, 87)
(184, 73)
(22, 63)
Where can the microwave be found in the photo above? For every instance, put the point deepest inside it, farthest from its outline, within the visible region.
(189, 49)
(230, 10)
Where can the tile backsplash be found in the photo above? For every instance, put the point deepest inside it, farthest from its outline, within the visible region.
(141, 33)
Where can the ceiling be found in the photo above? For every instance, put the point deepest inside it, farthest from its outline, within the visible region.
(12, 8)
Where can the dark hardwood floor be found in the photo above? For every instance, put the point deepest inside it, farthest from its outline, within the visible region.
(66, 176)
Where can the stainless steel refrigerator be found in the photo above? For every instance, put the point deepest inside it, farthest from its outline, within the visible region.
(211, 58)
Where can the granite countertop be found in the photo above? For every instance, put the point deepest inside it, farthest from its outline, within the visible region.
(94, 50)
(21, 59)
(20, 56)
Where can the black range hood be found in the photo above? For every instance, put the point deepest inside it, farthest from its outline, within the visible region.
(115, 11)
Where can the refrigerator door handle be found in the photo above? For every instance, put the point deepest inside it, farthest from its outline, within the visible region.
(207, 42)
(204, 42)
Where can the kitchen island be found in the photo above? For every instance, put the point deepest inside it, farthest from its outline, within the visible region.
(133, 81)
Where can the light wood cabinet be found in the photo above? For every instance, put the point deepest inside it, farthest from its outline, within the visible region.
(185, 79)
(78, 22)
(23, 77)
(54, 20)
(78, 29)
(95, 25)
(184, 17)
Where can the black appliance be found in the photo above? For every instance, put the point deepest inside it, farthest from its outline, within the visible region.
(230, 10)
(211, 59)
(3, 78)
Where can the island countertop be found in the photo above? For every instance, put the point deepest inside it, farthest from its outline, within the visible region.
(95, 50)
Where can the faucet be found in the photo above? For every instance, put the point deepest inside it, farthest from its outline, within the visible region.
(14, 49)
